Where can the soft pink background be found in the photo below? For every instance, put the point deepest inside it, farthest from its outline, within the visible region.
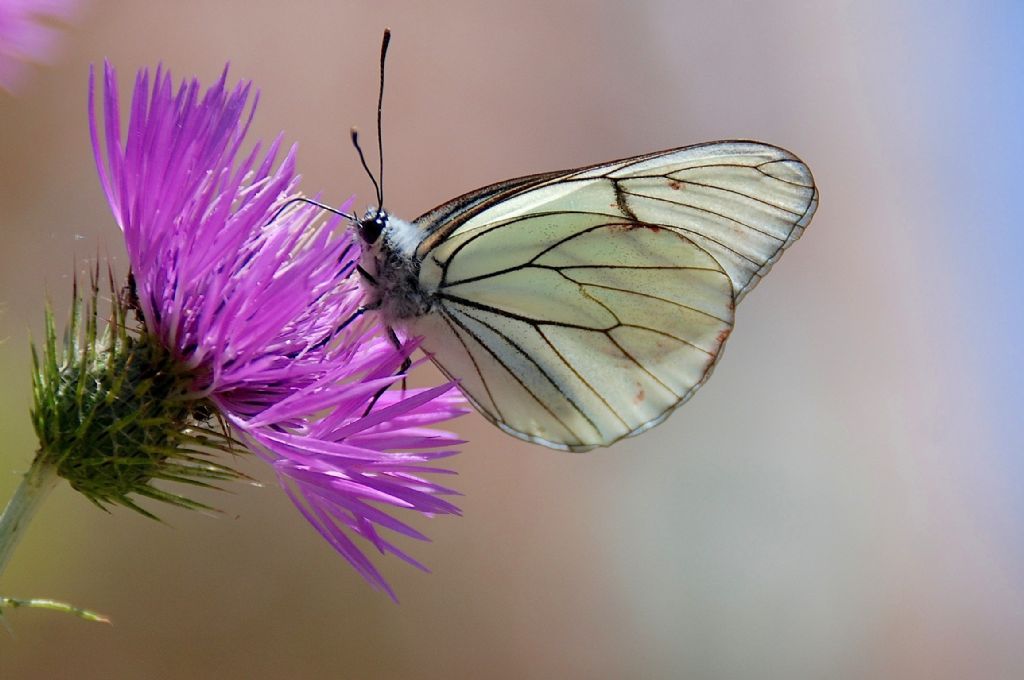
(842, 500)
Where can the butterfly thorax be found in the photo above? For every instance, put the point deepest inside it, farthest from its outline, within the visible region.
(392, 268)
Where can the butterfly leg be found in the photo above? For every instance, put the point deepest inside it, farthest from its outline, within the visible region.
(342, 326)
(406, 363)
(366, 275)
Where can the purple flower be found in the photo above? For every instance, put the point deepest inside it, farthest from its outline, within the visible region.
(24, 35)
(259, 306)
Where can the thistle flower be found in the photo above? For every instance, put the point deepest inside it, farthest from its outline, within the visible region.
(25, 36)
(248, 316)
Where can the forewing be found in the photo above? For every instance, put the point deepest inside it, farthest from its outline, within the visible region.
(742, 202)
(574, 330)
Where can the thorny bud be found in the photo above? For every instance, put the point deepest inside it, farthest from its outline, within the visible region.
(114, 412)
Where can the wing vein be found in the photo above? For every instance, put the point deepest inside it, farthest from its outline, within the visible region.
(544, 373)
(709, 212)
(641, 366)
(705, 185)
(651, 297)
(466, 302)
(667, 335)
(583, 380)
(476, 366)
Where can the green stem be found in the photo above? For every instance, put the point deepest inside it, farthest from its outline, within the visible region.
(39, 603)
(35, 486)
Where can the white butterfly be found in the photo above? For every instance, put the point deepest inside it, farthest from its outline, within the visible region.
(579, 307)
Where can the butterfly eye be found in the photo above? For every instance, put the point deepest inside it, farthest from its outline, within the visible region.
(371, 226)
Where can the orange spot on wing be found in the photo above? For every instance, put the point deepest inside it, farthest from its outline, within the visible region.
(631, 226)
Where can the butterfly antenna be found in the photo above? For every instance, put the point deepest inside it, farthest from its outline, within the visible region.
(308, 201)
(377, 184)
(362, 159)
(380, 106)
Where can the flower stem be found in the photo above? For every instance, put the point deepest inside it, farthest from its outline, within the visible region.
(35, 486)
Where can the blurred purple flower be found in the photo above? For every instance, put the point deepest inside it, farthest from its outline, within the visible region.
(25, 36)
(255, 306)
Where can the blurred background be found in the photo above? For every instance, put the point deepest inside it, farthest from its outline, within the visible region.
(843, 499)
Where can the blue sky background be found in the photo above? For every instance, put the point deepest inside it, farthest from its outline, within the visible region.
(962, 85)
(986, 100)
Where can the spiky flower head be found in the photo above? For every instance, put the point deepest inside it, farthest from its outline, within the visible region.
(248, 312)
(111, 413)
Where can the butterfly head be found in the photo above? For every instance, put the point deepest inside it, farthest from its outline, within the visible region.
(372, 225)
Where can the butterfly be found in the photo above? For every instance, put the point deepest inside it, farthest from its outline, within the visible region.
(580, 307)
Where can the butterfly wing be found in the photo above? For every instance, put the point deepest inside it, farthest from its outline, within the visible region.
(581, 307)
